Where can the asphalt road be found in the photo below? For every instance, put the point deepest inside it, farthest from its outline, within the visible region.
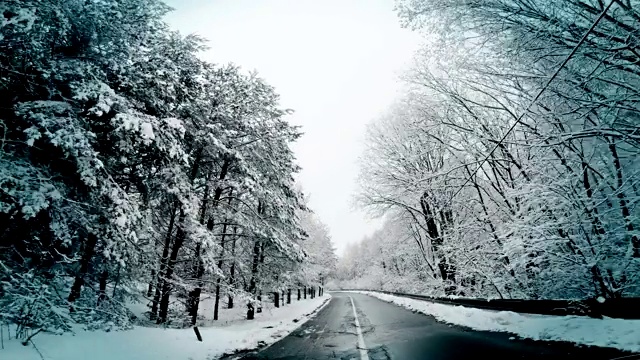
(392, 332)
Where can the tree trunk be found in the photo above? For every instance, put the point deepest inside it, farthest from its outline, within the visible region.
(447, 271)
(216, 305)
(193, 299)
(289, 296)
(87, 255)
(150, 288)
(254, 267)
(250, 312)
(276, 299)
(622, 199)
(194, 295)
(298, 294)
(116, 283)
(254, 274)
(232, 268)
(592, 213)
(163, 263)
(102, 286)
(305, 293)
(166, 283)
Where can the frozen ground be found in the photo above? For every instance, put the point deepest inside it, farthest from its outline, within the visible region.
(231, 334)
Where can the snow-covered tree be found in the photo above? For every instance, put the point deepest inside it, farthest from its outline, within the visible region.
(126, 162)
(545, 209)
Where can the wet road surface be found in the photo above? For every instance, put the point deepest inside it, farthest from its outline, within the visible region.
(392, 332)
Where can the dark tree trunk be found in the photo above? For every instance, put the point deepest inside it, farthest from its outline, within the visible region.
(250, 311)
(289, 296)
(150, 288)
(194, 296)
(163, 264)
(254, 267)
(254, 274)
(166, 283)
(276, 299)
(622, 199)
(102, 286)
(116, 283)
(305, 292)
(216, 305)
(193, 302)
(597, 276)
(87, 255)
(232, 268)
(256, 259)
(447, 271)
(220, 262)
(432, 228)
(298, 294)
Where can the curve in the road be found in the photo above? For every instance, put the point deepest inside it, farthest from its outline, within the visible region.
(392, 332)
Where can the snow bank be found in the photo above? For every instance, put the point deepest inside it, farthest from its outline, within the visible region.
(145, 343)
(608, 332)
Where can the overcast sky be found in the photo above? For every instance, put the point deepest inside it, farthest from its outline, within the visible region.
(335, 62)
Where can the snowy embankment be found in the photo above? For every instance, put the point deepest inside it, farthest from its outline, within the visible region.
(148, 343)
(608, 332)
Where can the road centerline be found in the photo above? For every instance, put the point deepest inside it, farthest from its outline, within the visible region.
(363, 350)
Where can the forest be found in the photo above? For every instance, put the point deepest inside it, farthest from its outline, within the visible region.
(130, 166)
(509, 169)
(134, 171)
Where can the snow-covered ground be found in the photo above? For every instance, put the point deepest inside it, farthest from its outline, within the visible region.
(608, 332)
(149, 343)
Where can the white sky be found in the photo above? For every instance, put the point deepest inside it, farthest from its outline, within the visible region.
(335, 62)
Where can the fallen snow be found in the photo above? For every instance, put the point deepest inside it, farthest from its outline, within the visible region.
(608, 332)
(149, 343)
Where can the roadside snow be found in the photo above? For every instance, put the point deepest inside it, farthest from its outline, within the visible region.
(148, 343)
(608, 332)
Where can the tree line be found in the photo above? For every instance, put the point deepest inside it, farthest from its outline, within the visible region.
(552, 212)
(130, 166)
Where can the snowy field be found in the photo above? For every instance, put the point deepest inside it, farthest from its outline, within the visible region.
(230, 334)
(608, 332)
